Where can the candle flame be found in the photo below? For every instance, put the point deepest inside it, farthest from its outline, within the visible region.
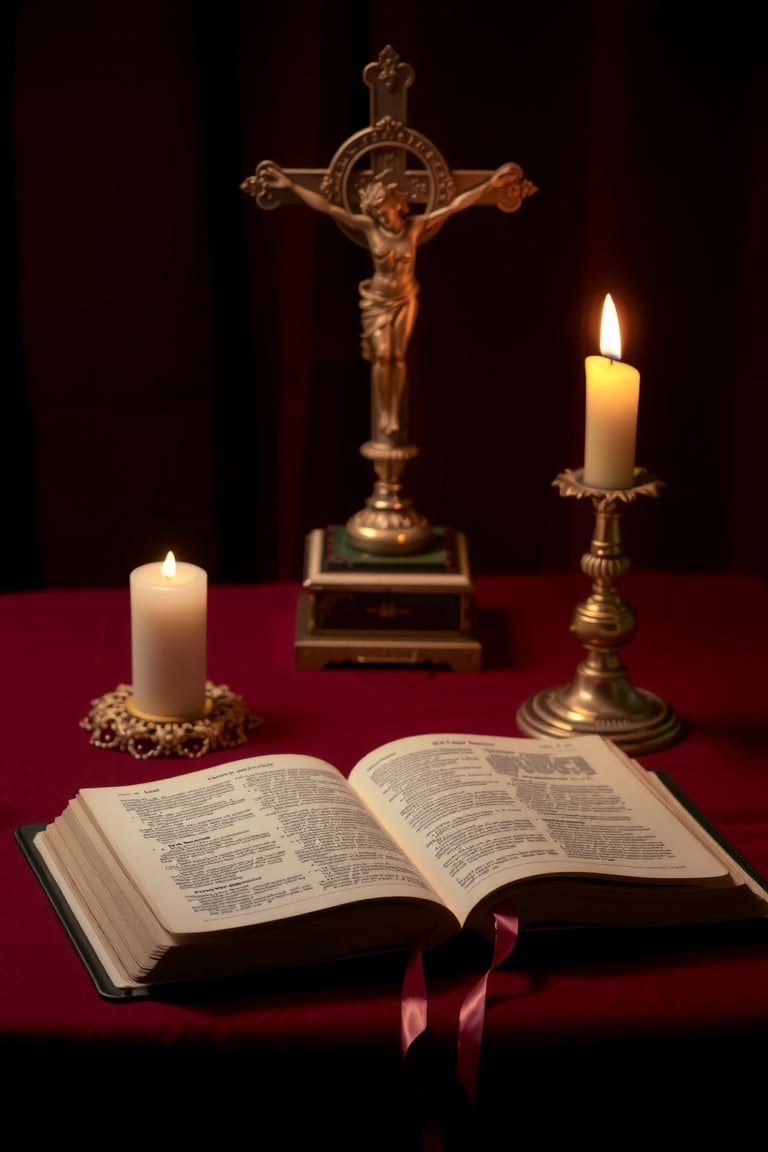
(169, 565)
(610, 335)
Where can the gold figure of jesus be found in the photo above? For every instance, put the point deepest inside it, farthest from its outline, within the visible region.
(389, 299)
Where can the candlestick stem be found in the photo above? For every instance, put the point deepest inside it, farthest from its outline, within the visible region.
(601, 698)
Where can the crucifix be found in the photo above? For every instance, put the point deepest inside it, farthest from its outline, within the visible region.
(368, 190)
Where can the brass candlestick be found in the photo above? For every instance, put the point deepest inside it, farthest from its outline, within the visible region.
(600, 699)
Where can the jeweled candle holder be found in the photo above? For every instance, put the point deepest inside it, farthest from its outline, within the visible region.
(226, 721)
(601, 699)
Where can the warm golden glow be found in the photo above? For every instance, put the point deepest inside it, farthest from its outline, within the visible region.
(169, 566)
(610, 336)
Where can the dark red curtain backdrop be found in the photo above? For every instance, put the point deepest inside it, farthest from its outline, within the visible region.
(184, 369)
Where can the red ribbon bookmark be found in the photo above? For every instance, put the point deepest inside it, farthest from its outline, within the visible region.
(414, 1021)
(413, 1003)
(472, 1014)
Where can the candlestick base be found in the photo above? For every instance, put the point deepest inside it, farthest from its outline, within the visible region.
(635, 719)
(601, 699)
(114, 723)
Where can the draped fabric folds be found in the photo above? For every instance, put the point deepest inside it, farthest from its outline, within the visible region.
(185, 368)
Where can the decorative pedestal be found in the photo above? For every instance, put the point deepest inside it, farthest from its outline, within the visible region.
(226, 723)
(360, 608)
(600, 699)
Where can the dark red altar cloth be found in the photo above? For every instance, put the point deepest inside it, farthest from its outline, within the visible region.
(601, 1023)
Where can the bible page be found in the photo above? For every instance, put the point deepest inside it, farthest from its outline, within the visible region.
(479, 812)
(249, 842)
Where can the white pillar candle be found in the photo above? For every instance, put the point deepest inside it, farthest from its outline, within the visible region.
(168, 640)
(613, 393)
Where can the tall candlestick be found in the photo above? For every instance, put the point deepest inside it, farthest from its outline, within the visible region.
(168, 640)
(613, 392)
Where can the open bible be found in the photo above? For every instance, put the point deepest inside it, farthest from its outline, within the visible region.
(268, 862)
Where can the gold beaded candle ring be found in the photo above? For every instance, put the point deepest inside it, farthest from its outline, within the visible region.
(227, 722)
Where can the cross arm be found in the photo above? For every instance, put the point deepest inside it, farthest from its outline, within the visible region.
(267, 197)
(508, 198)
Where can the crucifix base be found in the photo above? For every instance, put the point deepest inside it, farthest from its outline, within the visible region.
(389, 524)
(362, 608)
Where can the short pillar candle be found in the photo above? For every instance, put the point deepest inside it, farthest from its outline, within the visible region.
(169, 604)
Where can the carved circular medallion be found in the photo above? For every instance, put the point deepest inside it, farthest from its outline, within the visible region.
(345, 177)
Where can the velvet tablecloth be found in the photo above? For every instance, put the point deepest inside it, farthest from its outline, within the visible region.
(605, 1028)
